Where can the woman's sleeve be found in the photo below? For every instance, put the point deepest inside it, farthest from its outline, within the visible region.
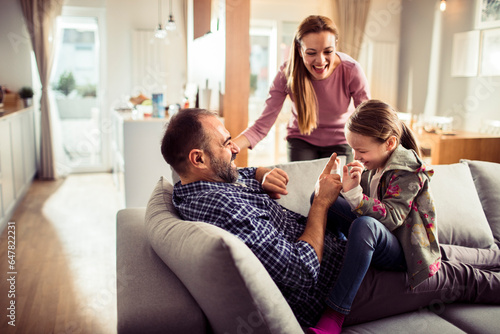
(358, 86)
(396, 203)
(272, 108)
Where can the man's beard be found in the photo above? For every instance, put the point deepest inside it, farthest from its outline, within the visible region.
(224, 170)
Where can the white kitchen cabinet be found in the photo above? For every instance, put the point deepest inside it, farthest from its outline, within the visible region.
(17, 160)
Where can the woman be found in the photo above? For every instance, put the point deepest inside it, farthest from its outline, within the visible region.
(321, 82)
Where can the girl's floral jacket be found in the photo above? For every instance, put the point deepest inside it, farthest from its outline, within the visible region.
(406, 208)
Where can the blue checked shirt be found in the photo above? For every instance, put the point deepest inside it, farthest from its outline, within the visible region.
(271, 232)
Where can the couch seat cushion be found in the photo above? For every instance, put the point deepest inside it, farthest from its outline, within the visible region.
(472, 318)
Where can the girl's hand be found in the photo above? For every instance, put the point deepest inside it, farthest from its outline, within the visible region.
(352, 178)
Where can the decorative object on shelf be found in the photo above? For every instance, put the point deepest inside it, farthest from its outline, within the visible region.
(139, 99)
(26, 94)
(158, 107)
(160, 32)
(170, 25)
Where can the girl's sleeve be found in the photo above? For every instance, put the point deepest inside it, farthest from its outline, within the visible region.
(402, 189)
(272, 108)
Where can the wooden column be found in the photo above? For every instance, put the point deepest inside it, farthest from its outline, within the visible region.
(237, 90)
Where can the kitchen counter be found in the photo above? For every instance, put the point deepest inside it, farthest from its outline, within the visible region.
(8, 111)
(137, 155)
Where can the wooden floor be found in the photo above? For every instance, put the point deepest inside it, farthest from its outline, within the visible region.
(65, 241)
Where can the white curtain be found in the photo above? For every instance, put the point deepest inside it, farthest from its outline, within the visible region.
(40, 17)
(352, 16)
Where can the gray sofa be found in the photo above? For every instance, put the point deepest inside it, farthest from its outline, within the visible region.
(175, 276)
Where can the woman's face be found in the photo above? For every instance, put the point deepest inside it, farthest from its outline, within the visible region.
(318, 53)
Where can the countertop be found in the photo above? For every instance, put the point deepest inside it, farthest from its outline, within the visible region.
(9, 111)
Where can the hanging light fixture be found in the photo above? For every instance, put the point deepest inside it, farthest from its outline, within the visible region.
(160, 32)
(170, 25)
(442, 5)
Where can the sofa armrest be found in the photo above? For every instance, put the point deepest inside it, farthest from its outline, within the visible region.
(150, 298)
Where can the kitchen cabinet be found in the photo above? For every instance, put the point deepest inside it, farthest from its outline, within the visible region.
(17, 160)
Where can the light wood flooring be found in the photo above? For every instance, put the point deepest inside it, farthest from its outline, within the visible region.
(65, 258)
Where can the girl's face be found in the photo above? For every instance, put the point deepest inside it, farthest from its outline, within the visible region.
(318, 53)
(367, 150)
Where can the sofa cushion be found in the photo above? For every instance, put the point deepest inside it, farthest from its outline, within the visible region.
(229, 283)
(421, 321)
(487, 181)
(461, 219)
(149, 303)
(471, 318)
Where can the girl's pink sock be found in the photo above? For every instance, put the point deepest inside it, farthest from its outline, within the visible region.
(330, 323)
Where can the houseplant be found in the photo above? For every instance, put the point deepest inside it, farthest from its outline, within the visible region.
(26, 94)
(66, 83)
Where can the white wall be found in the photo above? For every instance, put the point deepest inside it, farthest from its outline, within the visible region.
(469, 100)
(122, 18)
(15, 47)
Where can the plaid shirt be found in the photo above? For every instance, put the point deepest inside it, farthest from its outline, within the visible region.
(271, 232)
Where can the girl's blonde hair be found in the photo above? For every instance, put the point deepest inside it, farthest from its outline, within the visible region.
(377, 119)
(299, 78)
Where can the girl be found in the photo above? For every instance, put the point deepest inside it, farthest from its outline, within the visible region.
(387, 211)
(321, 83)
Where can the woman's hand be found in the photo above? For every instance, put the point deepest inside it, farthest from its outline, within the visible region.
(352, 178)
(242, 142)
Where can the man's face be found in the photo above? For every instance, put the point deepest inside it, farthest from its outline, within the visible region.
(224, 170)
(222, 151)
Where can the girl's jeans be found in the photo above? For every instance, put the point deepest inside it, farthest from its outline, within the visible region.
(369, 242)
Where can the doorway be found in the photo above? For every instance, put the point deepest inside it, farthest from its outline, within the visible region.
(270, 42)
(77, 83)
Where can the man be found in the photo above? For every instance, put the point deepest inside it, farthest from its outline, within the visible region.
(301, 255)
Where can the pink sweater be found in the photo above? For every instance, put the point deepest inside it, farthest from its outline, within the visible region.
(334, 99)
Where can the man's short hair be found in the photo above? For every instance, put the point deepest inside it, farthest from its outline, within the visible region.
(184, 133)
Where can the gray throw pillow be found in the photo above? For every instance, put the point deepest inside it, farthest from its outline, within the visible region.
(225, 278)
(460, 216)
(486, 176)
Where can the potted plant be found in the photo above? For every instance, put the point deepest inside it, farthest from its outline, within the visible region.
(26, 94)
(66, 83)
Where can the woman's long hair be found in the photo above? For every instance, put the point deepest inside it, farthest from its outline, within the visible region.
(299, 78)
(377, 119)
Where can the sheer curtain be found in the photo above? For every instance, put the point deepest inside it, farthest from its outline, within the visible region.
(351, 16)
(40, 16)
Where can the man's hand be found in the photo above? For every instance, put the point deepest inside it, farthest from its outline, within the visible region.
(328, 186)
(326, 191)
(273, 181)
(352, 178)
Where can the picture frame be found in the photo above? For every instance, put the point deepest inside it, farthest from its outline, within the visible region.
(487, 14)
(465, 54)
(490, 51)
